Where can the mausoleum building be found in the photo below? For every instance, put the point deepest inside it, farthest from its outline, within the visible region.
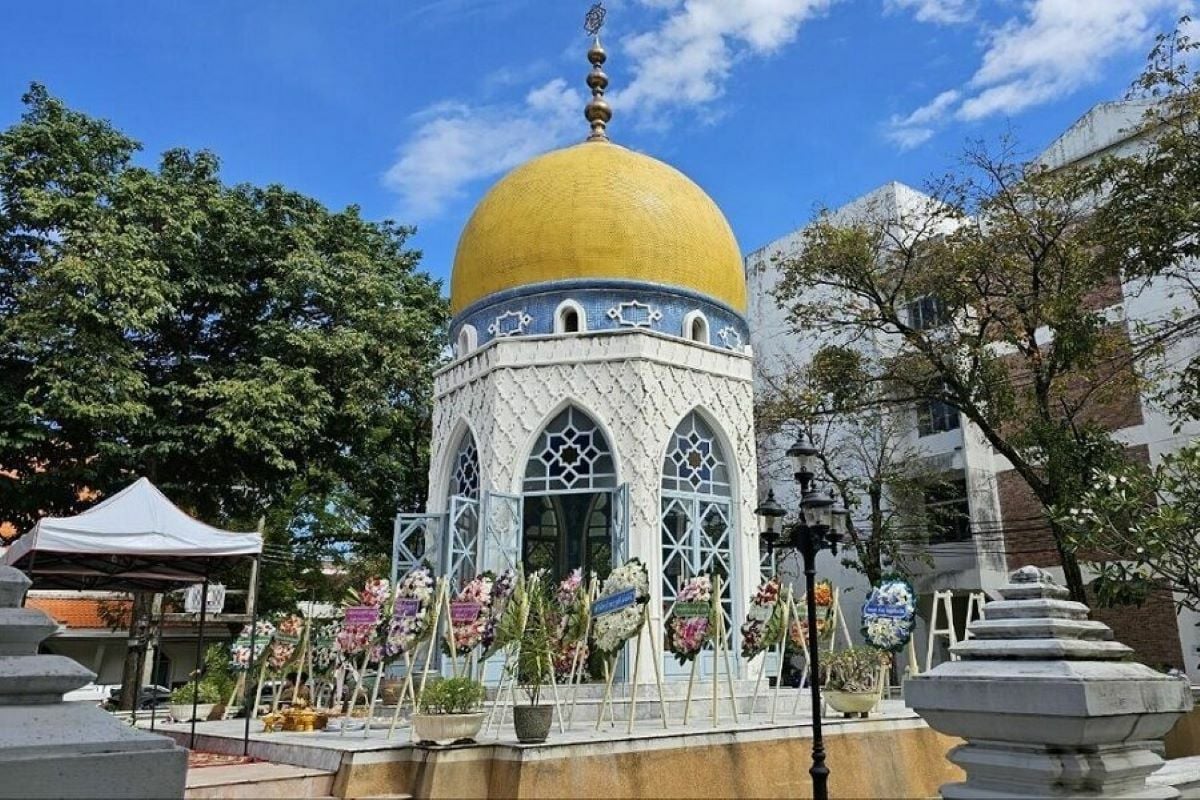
(599, 404)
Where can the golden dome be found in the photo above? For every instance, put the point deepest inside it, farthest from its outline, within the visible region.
(597, 211)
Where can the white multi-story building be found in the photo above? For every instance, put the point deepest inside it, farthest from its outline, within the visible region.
(988, 530)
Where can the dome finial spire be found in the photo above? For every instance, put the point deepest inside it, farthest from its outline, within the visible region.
(597, 112)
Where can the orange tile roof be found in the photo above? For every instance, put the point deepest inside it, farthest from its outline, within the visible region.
(82, 612)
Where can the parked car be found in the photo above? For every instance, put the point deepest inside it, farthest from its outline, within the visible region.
(92, 693)
(151, 696)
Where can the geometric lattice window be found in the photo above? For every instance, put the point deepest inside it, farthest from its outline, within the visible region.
(696, 522)
(694, 461)
(464, 481)
(571, 454)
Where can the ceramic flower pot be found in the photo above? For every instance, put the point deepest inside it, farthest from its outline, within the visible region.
(446, 728)
(182, 712)
(851, 702)
(532, 723)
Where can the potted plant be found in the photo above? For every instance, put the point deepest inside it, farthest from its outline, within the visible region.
(449, 711)
(205, 695)
(852, 679)
(532, 666)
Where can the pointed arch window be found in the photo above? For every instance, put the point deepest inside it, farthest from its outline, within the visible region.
(461, 553)
(697, 515)
(571, 454)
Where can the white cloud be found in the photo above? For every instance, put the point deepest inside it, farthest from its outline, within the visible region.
(683, 61)
(686, 60)
(456, 144)
(943, 12)
(1054, 48)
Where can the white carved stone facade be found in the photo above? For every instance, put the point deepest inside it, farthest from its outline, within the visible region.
(638, 386)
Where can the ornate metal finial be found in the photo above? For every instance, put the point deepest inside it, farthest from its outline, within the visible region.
(597, 112)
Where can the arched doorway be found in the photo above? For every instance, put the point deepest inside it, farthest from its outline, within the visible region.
(697, 518)
(572, 509)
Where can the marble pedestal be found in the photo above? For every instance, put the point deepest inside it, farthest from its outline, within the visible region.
(1047, 702)
(49, 748)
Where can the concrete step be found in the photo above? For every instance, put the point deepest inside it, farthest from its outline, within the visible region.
(257, 780)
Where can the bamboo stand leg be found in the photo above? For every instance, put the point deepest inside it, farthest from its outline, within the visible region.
(807, 662)
(725, 651)
(562, 728)
(262, 677)
(574, 687)
(360, 679)
(716, 712)
(637, 661)
(438, 602)
(687, 704)
(656, 657)
(606, 701)
(374, 698)
(499, 689)
(787, 621)
(406, 691)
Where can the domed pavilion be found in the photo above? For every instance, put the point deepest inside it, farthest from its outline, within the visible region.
(599, 405)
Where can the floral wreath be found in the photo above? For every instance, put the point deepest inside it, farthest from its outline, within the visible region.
(611, 631)
(353, 640)
(763, 627)
(569, 624)
(823, 600)
(325, 654)
(283, 646)
(687, 635)
(469, 634)
(890, 632)
(405, 632)
(240, 658)
(503, 589)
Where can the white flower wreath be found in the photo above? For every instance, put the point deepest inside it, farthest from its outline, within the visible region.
(611, 631)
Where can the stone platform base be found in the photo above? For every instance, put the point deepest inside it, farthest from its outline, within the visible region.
(893, 754)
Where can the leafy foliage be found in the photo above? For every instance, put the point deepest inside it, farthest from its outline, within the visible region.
(250, 351)
(855, 669)
(459, 695)
(1020, 345)
(1145, 526)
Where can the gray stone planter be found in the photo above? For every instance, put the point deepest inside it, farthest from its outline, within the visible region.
(532, 723)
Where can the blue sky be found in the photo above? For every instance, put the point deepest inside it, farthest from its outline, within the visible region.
(412, 108)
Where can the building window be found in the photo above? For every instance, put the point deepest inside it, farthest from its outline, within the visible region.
(466, 340)
(697, 516)
(926, 313)
(948, 512)
(695, 327)
(570, 318)
(936, 416)
(571, 454)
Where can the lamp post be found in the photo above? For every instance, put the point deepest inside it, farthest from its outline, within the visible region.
(819, 526)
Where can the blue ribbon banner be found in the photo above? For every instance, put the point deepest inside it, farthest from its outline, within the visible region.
(614, 602)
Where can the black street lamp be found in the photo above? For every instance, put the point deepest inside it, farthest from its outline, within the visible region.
(819, 527)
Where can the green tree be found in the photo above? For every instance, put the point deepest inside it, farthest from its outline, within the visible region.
(1004, 257)
(1144, 525)
(1150, 222)
(865, 452)
(247, 349)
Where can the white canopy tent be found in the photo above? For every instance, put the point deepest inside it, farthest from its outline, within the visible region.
(135, 540)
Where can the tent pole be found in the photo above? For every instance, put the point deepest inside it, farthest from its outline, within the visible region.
(157, 663)
(199, 656)
(137, 681)
(252, 601)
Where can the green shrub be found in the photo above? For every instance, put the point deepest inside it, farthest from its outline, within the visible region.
(207, 691)
(855, 669)
(452, 696)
